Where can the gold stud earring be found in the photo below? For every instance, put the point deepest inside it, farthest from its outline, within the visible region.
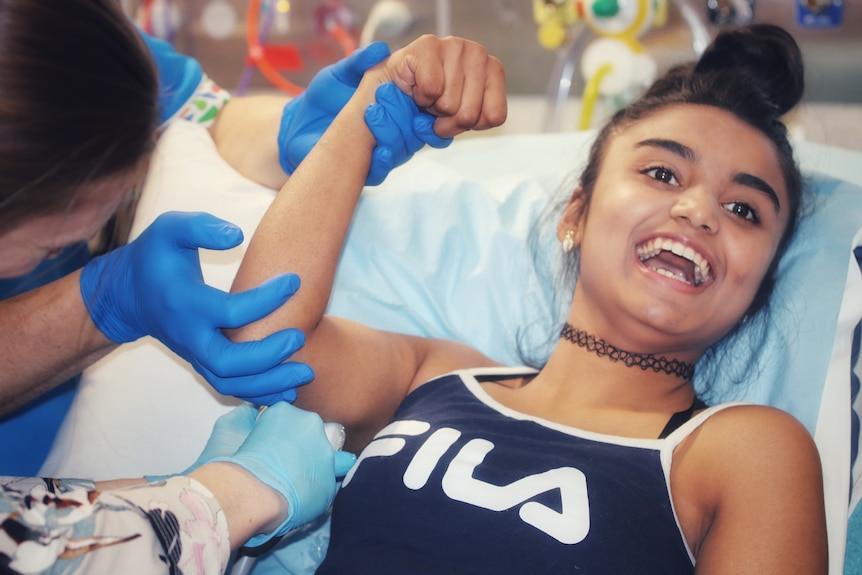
(569, 241)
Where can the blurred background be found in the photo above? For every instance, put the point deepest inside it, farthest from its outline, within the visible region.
(569, 63)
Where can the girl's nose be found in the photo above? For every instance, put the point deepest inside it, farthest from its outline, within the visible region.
(698, 208)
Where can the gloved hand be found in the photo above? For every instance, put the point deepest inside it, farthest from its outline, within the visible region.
(307, 116)
(154, 286)
(229, 431)
(289, 451)
(400, 128)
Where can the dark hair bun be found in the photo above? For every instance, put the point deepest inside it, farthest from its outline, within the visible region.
(766, 55)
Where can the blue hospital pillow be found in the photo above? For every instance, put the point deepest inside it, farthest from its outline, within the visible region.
(797, 350)
(441, 249)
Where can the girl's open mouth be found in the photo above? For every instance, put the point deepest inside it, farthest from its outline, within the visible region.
(675, 260)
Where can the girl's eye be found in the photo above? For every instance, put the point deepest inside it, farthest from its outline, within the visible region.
(743, 210)
(662, 175)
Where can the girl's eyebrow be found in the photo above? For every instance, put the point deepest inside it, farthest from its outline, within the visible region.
(760, 185)
(742, 178)
(671, 146)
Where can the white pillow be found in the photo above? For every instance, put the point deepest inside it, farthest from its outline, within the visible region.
(441, 249)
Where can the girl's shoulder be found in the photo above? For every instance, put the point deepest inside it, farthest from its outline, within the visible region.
(748, 486)
(755, 424)
(744, 434)
(747, 455)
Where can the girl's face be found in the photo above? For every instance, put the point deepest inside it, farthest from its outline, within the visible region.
(686, 216)
(41, 237)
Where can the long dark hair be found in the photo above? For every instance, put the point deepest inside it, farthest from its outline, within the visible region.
(78, 101)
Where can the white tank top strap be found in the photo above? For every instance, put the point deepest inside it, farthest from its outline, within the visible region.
(686, 429)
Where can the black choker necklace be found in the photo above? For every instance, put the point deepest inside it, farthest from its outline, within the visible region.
(644, 361)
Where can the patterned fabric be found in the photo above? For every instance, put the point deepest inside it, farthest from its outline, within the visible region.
(205, 104)
(67, 526)
(185, 92)
(461, 484)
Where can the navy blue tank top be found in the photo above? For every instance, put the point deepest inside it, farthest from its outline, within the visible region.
(459, 483)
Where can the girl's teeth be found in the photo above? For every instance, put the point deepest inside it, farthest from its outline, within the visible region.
(653, 247)
(670, 274)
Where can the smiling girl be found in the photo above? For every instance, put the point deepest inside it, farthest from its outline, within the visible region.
(604, 460)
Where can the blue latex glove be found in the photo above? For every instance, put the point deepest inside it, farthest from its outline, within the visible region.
(307, 116)
(289, 451)
(229, 431)
(400, 128)
(154, 286)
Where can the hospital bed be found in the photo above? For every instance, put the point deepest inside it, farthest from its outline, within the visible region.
(441, 249)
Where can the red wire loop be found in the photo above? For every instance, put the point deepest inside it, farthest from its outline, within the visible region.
(258, 53)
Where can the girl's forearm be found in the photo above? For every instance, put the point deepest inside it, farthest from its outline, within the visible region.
(304, 229)
(453, 79)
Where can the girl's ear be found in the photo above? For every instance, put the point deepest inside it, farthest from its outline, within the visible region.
(573, 218)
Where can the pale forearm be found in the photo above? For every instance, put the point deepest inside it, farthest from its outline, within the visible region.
(250, 507)
(246, 136)
(47, 337)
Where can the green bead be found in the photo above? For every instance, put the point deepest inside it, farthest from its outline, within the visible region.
(606, 8)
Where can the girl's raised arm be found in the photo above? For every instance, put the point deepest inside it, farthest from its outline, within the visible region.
(304, 229)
